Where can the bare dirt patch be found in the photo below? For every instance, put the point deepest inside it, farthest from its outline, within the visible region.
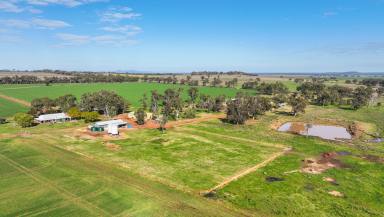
(321, 164)
(336, 193)
(112, 146)
(373, 158)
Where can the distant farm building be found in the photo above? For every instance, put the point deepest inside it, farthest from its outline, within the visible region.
(53, 118)
(111, 126)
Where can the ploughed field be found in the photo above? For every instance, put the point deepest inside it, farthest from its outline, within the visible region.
(133, 92)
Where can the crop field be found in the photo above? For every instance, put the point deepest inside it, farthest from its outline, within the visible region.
(133, 92)
(39, 177)
(8, 108)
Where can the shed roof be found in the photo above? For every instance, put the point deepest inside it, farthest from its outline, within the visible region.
(110, 122)
(50, 117)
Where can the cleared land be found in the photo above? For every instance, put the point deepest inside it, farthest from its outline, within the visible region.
(359, 179)
(8, 108)
(39, 177)
(133, 92)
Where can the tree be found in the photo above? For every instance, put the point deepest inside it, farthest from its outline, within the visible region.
(237, 111)
(140, 116)
(163, 121)
(90, 116)
(23, 120)
(361, 97)
(298, 104)
(257, 105)
(172, 103)
(155, 99)
(143, 102)
(74, 113)
(105, 102)
(42, 106)
(193, 93)
(66, 102)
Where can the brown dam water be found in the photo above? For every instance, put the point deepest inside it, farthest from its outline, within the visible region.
(322, 131)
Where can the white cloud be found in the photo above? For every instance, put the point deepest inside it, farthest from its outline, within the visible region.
(118, 14)
(68, 3)
(329, 13)
(125, 29)
(36, 23)
(49, 24)
(22, 24)
(9, 6)
(73, 39)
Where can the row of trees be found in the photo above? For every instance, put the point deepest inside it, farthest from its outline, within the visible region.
(72, 78)
(171, 106)
(102, 102)
(245, 107)
(319, 94)
(266, 88)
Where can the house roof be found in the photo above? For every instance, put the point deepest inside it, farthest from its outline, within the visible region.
(50, 117)
(110, 122)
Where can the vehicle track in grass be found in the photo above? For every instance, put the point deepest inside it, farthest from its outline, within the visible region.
(64, 193)
(247, 171)
(15, 100)
(171, 199)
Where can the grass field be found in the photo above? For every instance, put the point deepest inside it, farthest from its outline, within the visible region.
(8, 108)
(133, 92)
(190, 158)
(39, 177)
(301, 194)
(153, 174)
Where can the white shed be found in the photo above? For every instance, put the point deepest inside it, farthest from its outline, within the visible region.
(57, 117)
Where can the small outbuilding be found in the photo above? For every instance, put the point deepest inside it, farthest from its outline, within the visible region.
(53, 118)
(111, 126)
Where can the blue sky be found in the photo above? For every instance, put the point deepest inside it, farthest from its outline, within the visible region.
(189, 35)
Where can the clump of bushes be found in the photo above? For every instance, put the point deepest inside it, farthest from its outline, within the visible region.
(3, 120)
(23, 120)
(90, 116)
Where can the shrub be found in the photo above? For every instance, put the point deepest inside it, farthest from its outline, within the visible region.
(90, 116)
(189, 113)
(140, 116)
(23, 120)
(74, 113)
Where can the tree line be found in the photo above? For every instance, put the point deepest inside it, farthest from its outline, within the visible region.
(73, 78)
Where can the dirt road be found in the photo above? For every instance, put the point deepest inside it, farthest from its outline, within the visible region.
(248, 171)
(15, 100)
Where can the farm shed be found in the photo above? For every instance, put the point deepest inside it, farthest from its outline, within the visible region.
(57, 117)
(111, 126)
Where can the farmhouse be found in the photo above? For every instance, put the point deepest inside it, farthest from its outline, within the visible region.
(53, 118)
(112, 126)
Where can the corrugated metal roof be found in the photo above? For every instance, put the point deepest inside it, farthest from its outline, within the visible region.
(110, 122)
(50, 117)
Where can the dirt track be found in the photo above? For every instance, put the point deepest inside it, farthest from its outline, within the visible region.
(18, 101)
(248, 171)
